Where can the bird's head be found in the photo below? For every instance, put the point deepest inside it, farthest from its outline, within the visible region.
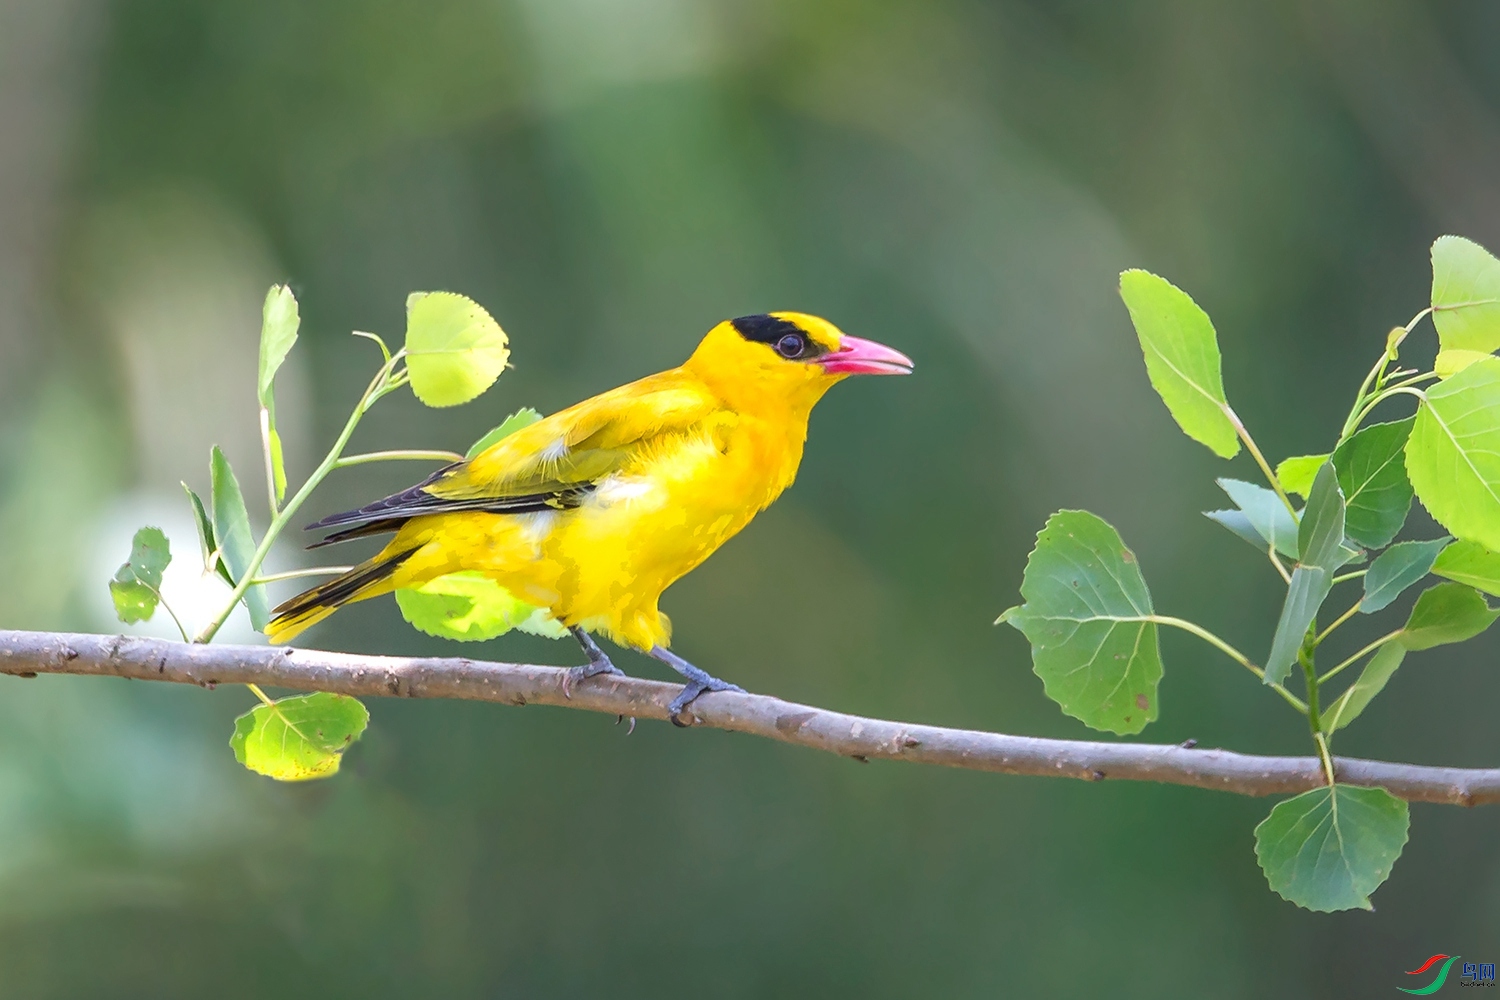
(786, 358)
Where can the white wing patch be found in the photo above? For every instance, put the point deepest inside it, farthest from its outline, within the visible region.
(617, 489)
(554, 452)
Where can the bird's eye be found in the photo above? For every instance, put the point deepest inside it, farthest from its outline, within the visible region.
(791, 346)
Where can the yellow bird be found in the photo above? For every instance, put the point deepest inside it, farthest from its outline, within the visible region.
(594, 511)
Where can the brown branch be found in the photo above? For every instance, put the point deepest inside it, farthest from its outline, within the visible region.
(26, 654)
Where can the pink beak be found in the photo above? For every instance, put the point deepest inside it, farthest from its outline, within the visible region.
(864, 357)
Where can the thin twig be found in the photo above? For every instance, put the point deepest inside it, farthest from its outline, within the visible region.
(30, 653)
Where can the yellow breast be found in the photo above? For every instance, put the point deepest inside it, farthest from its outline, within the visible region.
(603, 565)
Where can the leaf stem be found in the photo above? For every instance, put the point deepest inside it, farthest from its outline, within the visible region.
(1322, 741)
(398, 456)
(1357, 411)
(1310, 675)
(1350, 576)
(378, 387)
(1250, 445)
(163, 602)
(1368, 649)
(1229, 651)
(1400, 388)
(265, 447)
(1286, 577)
(255, 688)
(295, 573)
(1335, 624)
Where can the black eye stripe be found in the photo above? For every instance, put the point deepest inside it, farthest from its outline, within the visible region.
(771, 330)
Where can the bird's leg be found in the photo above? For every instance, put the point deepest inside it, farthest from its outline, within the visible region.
(598, 661)
(698, 682)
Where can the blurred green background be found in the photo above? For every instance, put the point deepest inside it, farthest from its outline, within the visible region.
(960, 180)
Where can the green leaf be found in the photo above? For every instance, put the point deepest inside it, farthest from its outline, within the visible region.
(523, 417)
(1296, 473)
(1465, 295)
(1453, 455)
(1372, 679)
(133, 600)
(278, 463)
(1269, 516)
(454, 349)
(1450, 363)
(1471, 563)
(298, 738)
(212, 561)
(1320, 540)
(278, 332)
(1182, 358)
(469, 607)
(1329, 848)
(1372, 475)
(232, 528)
(1397, 568)
(1305, 594)
(1237, 522)
(1320, 535)
(1446, 613)
(150, 554)
(1087, 617)
(136, 587)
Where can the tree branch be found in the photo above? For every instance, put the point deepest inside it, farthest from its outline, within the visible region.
(26, 654)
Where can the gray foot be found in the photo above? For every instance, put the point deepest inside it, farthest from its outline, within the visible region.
(698, 682)
(599, 663)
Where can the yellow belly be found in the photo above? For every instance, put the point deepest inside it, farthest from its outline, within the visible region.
(604, 565)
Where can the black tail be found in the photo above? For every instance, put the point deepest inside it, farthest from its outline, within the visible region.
(312, 606)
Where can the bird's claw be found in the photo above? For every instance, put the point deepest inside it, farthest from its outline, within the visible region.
(690, 692)
(591, 669)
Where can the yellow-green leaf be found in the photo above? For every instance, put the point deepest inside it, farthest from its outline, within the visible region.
(1465, 295)
(1182, 358)
(1470, 563)
(1296, 474)
(1453, 453)
(1450, 363)
(523, 417)
(454, 349)
(469, 607)
(136, 588)
(298, 738)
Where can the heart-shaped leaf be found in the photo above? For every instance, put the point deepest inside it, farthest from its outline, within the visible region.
(1453, 454)
(469, 607)
(1088, 617)
(1465, 295)
(1329, 848)
(454, 349)
(298, 738)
